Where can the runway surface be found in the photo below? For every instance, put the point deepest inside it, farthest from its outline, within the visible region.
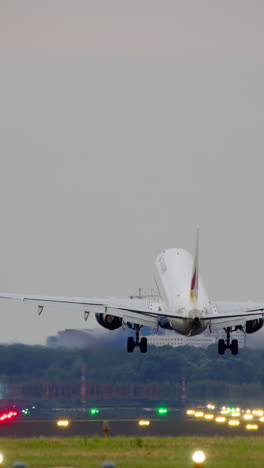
(126, 427)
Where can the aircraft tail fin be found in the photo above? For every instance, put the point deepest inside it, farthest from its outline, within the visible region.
(194, 281)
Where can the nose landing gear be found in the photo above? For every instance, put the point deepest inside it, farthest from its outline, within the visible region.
(142, 344)
(222, 345)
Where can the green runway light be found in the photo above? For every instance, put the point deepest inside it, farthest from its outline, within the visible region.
(162, 410)
(25, 411)
(231, 410)
(94, 411)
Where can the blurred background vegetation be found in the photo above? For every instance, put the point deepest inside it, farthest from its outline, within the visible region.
(208, 375)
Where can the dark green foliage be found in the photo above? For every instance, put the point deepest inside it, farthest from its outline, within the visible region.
(208, 375)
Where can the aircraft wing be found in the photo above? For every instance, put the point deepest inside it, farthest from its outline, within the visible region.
(145, 311)
(232, 314)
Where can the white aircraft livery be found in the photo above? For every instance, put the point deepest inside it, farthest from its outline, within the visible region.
(183, 305)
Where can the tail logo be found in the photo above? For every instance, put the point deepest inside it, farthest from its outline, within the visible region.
(194, 289)
(194, 282)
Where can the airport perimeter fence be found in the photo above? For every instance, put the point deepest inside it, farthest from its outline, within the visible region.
(79, 391)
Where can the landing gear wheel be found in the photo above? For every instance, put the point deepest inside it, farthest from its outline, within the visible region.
(130, 344)
(234, 347)
(221, 346)
(143, 345)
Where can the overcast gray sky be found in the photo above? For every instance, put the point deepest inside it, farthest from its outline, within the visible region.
(123, 125)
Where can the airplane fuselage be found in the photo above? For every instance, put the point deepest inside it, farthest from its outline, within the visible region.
(173, 271)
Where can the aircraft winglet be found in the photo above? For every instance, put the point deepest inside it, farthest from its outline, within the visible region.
(194, 281)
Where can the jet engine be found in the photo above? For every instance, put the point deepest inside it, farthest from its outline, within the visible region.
(164, 323)
(254, 325)
(108, 321)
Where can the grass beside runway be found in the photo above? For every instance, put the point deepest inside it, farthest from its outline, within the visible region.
(137, 452)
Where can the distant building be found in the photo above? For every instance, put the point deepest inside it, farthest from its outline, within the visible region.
(176, 340)
(92, 338)
(202, 341)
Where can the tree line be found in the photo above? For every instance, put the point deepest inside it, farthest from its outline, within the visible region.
(207, 374)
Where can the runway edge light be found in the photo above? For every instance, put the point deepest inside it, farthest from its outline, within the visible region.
(198, 458)
(63, 423)
(162, 410)
(144, 422)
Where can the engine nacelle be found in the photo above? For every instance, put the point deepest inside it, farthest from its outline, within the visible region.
(164, 323)
(254, 325)
(109, 321)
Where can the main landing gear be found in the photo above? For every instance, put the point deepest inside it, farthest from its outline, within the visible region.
(222, 345)
(142, 344)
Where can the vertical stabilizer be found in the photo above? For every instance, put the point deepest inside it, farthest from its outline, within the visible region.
(194, 281)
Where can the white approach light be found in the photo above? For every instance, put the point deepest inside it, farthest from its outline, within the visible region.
(233, 422)
(1, 458)
(248, 416)
(210, 406)
(253, 427)
(198, 457)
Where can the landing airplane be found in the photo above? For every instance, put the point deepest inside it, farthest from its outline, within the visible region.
(183, 305)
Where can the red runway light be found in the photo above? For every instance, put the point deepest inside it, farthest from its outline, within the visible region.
(8, 416)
